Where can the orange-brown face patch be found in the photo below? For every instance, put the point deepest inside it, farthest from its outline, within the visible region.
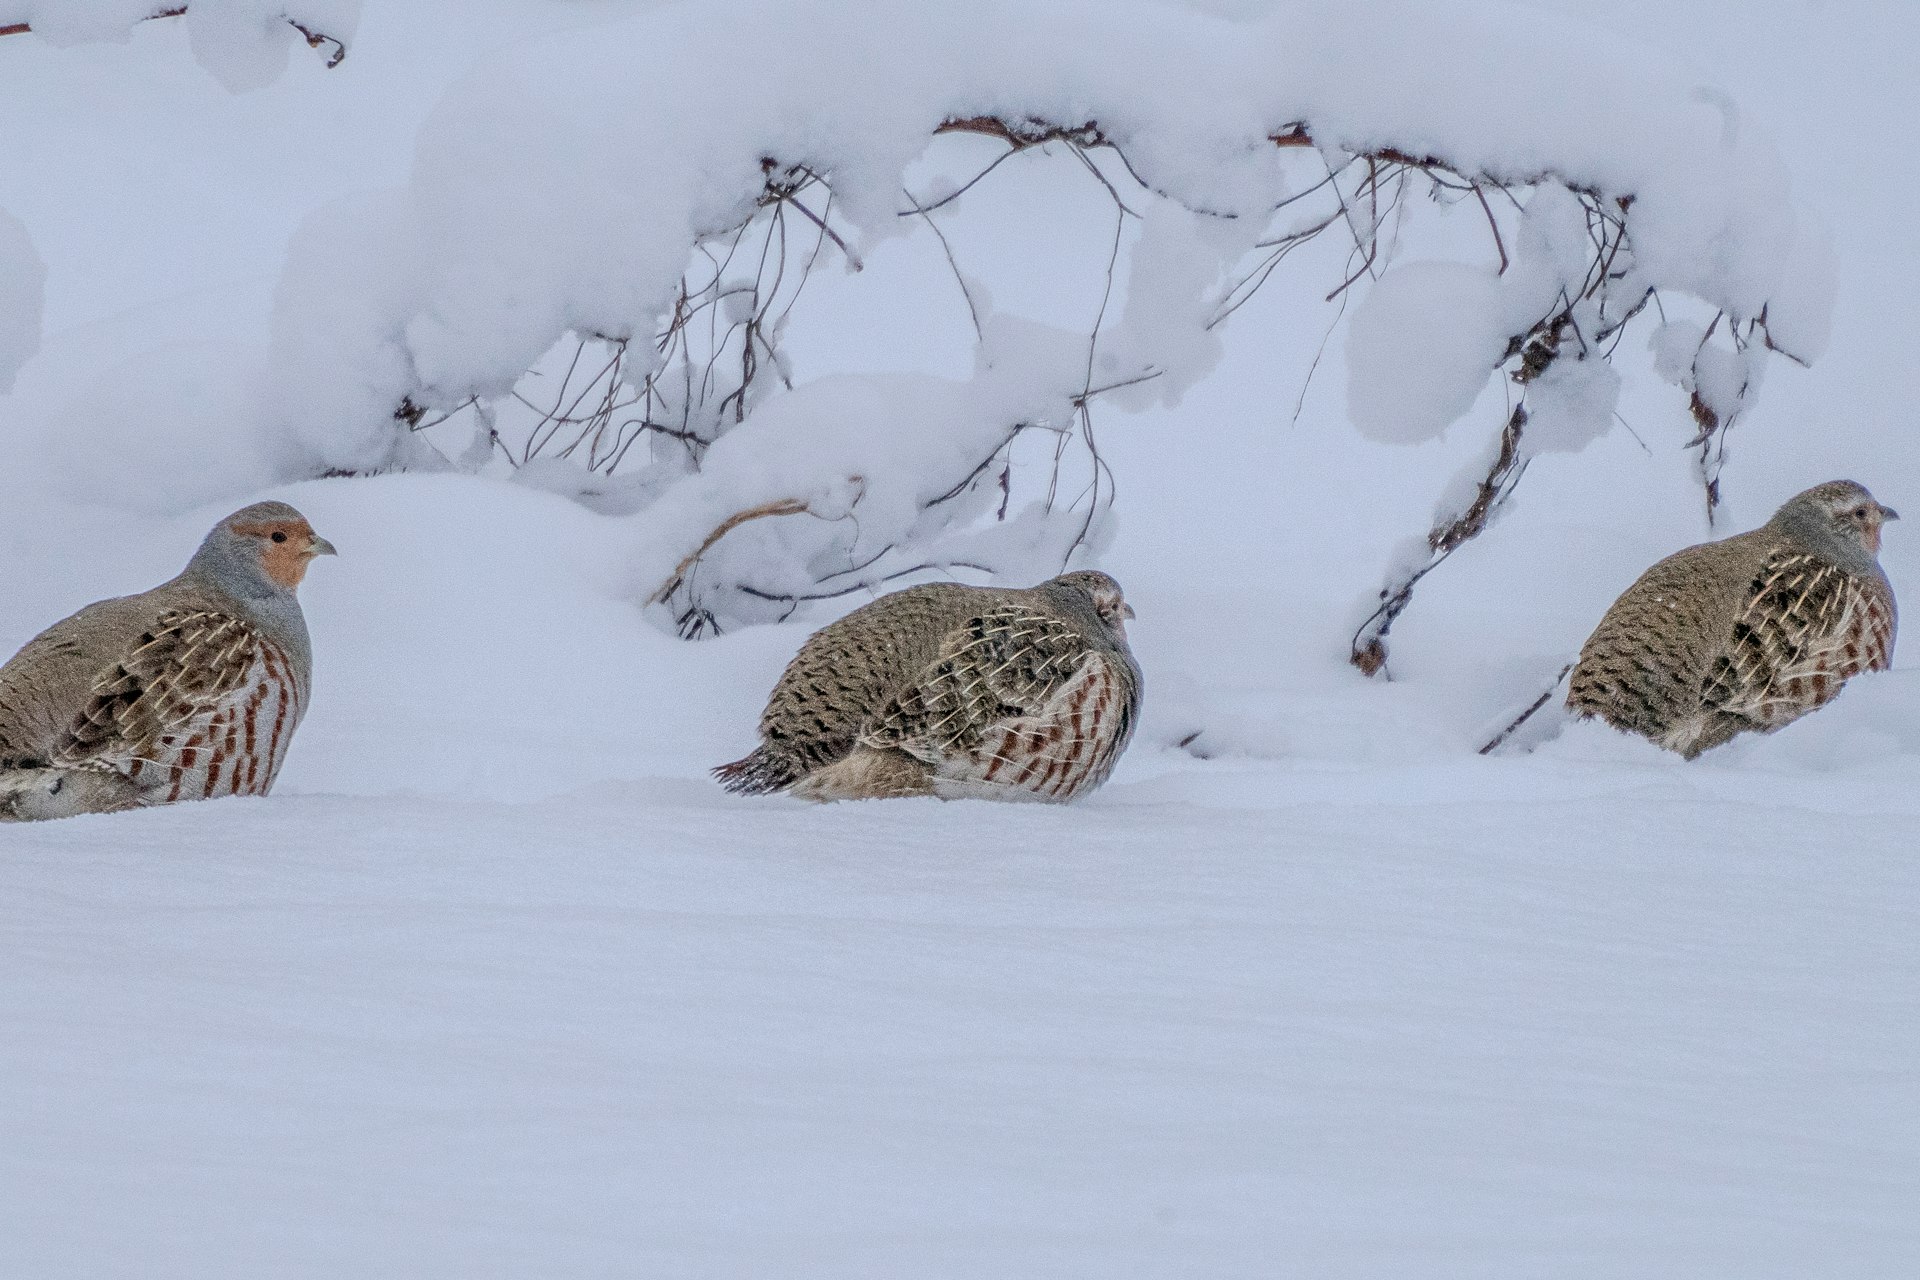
(285, 561)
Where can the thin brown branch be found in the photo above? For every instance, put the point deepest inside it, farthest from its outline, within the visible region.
(853, 259)
(1028, 133)
(313, 38)
(957, 192)
(1369, 648)
(317, 38)
(967, 480)
(778, 507)
(1513, 726)
(865, 584)
(973, 312)
(1493, 224)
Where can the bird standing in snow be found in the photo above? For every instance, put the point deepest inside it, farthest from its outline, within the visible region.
(954, 691)
(1748, 633)
(186, 692)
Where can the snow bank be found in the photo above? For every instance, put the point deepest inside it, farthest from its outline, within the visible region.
(1504, 1016)
(23, 282)
(162, 432)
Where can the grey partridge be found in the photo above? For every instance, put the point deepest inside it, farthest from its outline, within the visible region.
(954, 691)
(186, 692)
(1746, 634)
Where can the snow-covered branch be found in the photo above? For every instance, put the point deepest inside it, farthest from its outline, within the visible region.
(610, 320)
(242, 43)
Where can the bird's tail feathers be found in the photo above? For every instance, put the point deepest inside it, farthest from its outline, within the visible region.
(757, 773)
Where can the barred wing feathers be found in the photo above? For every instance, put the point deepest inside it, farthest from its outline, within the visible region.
(1808, 626)
(201, 705)
(1017, 701)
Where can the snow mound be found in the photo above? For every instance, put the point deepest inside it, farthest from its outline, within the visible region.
(163, 432)
(1421, 347)
(23, 282)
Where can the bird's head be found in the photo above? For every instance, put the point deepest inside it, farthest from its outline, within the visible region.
(260, 550)
(1105, 593)
(1843, 509)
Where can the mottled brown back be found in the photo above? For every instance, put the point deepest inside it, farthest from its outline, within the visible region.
(843, 674)
(946, 684)
(1748, 633)
(48, 684)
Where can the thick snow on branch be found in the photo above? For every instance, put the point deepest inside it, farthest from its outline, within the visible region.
(23, 280)
(566, 188)
(242, 43)
(866, 471)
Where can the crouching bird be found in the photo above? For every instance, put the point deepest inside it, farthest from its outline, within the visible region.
(186, 692)
(1748, 633)
(954, 691)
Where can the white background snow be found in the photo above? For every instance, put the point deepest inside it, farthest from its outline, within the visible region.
(498, 983)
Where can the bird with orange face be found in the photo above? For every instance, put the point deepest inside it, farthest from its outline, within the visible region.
(189, 691)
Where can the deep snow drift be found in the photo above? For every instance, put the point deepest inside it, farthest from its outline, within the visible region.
(499, 983)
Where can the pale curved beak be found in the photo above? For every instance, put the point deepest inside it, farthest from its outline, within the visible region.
(1126, 611)
(1888, 513)
(320, 547)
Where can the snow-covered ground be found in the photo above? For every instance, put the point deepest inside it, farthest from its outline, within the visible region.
(497, 983)
(1226, 1021)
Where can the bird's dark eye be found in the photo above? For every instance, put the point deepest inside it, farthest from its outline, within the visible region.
(279, 535)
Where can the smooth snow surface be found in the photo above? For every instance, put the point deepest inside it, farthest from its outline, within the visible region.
(498, 983)
(23, 280)
(1215, 1023)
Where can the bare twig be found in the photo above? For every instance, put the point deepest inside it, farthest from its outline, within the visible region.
(1369, 649)
(853, 259)
(973, 312)
(1513, 726)
(677, 579)
(959, 191)
(1493, 225)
